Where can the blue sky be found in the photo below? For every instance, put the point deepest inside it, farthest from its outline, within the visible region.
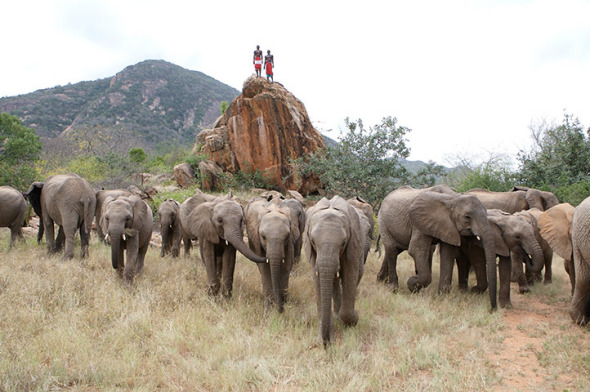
(468, 77)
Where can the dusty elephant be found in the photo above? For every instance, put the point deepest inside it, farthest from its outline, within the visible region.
(218, 226)
(555, 227)
(69, 201)
(13, 208)
(127, 222)
(518, 199)
(186, 208)
(170, 228)
(333, 243)
(100, 198)
(580, 307)
(367, 216)
(516, 241)
(273, 233)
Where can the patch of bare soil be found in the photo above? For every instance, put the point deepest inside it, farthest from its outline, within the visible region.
(528, 326)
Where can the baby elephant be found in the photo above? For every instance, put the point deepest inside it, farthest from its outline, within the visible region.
(13, 208)
(127, 222)
(169, 220)
(334, 244)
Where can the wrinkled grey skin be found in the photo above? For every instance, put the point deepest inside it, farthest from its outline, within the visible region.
(580, 307)
(186, 208)
(170, 229)
(218, 226)
(69, 201)
(333, 244)
(367, 217)
(13, 208)
(515, 239)
(127, 222)
(273, 233)
(555, 226)
(100, 198)
(528, 278)
(520, 198)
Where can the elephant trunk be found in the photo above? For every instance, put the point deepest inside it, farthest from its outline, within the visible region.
(537, 258)
(234, 236)
(166, 238)
(117, 250)
(276, 257)
(489, 246)
(327, 264)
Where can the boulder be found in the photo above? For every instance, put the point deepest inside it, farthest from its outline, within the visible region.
(263, 129)
(210, 175)
(184, 175)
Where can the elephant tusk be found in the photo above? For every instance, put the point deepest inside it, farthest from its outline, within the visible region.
(479, 239)
(124, 237)
(107, 237)
(267, 261)
(317, 273)
(337, 274)
(283, 261)
(226, 243)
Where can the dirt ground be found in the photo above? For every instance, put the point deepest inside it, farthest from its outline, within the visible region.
(531, 328)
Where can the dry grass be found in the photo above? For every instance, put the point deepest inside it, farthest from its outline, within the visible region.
(72, 325)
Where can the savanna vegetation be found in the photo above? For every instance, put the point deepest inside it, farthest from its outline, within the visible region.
(73, 325)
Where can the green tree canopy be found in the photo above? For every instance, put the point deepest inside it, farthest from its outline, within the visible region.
(20, 149)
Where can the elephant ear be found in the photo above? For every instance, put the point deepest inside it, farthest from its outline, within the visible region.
(34, 196)
(103, 224)
(555, 227)
(430, 213)
(497, 225)
(355, 246)
(540, 199)
(200, 222)
(140, 209)
(293, 222)
(253, 216)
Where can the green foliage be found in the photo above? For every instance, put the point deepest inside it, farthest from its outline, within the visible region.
(573, 193)
(247, 179)
(427, 175)
(137, 155)
(223, 107)
(366, 162)
(20, 149)
(494, 174)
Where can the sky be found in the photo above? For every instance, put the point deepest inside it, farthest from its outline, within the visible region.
(468, 78)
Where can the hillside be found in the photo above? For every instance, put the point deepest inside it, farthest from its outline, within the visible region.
(151, 102)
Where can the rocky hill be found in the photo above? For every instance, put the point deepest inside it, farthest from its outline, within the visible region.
(151, 102)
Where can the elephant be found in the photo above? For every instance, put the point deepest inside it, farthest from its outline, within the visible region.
(69, 201)
(169, 220)
(518, 199)
(515, 239)
(333, 243)
(13, 208)
(218, 226)
(555, 228)
(127, 222)
(580, 306)
(365, 211)
(273, 233)
(185, 209)
(100, 197)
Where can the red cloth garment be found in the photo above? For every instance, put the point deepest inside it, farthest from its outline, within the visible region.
(258, 63)
(268, 68)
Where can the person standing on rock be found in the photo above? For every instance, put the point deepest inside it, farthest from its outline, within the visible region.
(258, 61)
(269, 63)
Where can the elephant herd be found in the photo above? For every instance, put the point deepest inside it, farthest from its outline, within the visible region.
(495, 234)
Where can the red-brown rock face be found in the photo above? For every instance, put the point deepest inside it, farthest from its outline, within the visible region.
(262, 129)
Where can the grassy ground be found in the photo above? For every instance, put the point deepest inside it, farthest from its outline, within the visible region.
(72, 325)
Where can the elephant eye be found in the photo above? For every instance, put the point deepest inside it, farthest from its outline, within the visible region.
(468, 217)
(219, 220)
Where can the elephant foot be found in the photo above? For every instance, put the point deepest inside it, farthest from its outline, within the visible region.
(415, 285)
(524, 289)
(349, 319)
(506, 304)
(478, 289)
(393, 287)
(547, 281)
(578, 317)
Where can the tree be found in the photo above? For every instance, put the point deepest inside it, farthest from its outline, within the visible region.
(20, 149)
(366, 162)
(494, 174)
(223, 107)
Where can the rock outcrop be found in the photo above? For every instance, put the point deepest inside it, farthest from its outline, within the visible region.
(263, 129)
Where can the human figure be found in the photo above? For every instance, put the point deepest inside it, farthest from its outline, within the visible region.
(257, 61)
(269, 63)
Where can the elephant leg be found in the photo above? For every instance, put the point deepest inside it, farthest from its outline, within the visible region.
(49, 234)
(349, 279)
(208, 257)
(548, 278)
(505, 268)
(266, 284)
(69, 243)
(419, 249)
(388, 272)
(84, 241)
(132, 252)
(448, 254)
(580, 301)
(187, 245)
(479, 267)
(285, 275)
(518, 273)
(141, 258)
(463, 267)
(228, 267)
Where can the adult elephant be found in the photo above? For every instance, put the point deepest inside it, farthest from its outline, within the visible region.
(518, 199)
(580, 307)
(170, 229)
(448, 219)
(186, 208)
(273, 233)
(218, 226)
(127, 222)
(555, 227)
(13, 208)
(395, 228)
(100, 198)
(333, 243)
(515, 240)
(69, 201)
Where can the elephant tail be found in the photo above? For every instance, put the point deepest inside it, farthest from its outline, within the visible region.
(88, 213)
(377, 248)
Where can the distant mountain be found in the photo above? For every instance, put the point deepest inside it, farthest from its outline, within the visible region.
(150, 102)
